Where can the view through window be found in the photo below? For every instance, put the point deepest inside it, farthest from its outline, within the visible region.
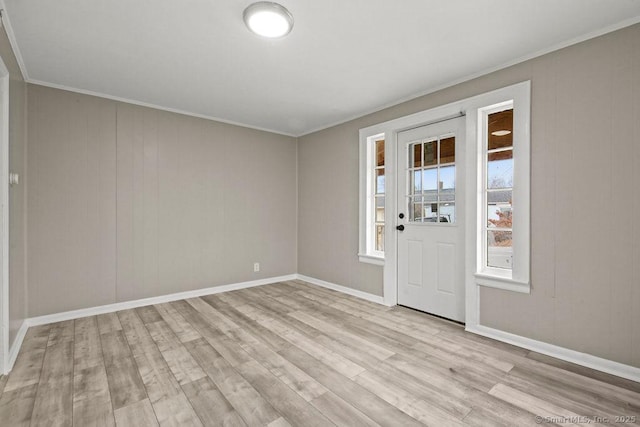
(378, 205)
(499, 189)
(432, 180)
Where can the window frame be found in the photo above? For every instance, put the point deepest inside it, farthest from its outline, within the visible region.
(484, 267)
(438, 166)
(367, 228)
(518, 277)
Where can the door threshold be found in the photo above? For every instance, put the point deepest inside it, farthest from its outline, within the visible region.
(433, 315)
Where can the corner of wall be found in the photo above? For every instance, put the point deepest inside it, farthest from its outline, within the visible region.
(297, 203)
(25, 165)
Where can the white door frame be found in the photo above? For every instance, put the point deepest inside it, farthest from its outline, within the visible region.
(390, 129)
(4, 218)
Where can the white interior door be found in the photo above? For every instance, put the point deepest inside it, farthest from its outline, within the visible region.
(431, 218)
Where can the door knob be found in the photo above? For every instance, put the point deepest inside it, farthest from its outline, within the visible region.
(400, 227)
(401, 215)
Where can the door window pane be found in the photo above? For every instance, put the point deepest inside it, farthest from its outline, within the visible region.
(448, 212)
(416, 182)
(431, 196)
(431, 153)
(448, 178)
(415, 209)
(415, 156)
(430, 179)
(430, 212)
(448, 150)
(447, 195)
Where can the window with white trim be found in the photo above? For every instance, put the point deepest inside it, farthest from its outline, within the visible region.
(377, 214)
(503, 237)
(498, 188)
(372, 190)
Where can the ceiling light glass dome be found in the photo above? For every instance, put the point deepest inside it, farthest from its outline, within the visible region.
(268, 19)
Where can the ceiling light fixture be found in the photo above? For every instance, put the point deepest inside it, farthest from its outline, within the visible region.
(268, 19)
(501, 132)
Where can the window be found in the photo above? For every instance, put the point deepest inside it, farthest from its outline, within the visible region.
(372, 190)
(378, 204)
(503, 202)
(498, 189)
(432, 180)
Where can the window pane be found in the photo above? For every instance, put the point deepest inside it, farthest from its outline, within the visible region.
(499, 209)
(448, 212)
(430, 212)
(380, 238)
(499, 249)
(499, 216)
(415, 209)
(379, 209)
(500, 129)
(447, 195)
(431, 196)
(500, 169)
(416, 181)
(380, 153)
(430, 179)
(499, 239)
(448, 178)
(431, 153)
(379, 181)
(499, 197)
(448, 150)
(415, 155)
(501, 155)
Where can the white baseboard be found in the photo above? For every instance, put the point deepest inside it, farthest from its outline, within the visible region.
(583, 359)
(110, 308)
(349, 291)
(14, 349)
(610, 367)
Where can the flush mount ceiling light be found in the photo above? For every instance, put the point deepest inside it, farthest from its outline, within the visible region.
(501, 132)
(268, 19)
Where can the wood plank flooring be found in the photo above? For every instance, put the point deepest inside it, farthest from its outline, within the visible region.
(292, 354)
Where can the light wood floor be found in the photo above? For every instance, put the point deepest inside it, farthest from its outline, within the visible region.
(292, 354)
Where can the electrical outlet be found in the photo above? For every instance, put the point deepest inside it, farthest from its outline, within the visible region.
(256, 267)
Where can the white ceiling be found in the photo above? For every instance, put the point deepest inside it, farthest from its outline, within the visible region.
(343, 59)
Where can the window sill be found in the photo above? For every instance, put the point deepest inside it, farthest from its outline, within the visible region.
(504, 283)
(371, 259)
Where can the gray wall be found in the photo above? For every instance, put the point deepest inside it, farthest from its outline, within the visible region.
(585, 199)
(17, 194)
(128, 202)
(328, 210)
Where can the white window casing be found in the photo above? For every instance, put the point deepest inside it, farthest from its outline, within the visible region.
(367, 251)
(518, 277)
